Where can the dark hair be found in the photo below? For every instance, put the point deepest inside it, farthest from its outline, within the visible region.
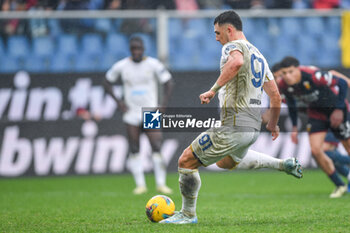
(276, 67)
(136, 39)
(289, 61)
(229, 17)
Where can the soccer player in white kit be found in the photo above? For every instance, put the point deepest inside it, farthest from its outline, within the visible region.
(140, 77)
(244, 73)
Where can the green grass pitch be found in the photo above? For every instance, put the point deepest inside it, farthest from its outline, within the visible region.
(261, 201)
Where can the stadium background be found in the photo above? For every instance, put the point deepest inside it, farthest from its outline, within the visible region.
(54, 67)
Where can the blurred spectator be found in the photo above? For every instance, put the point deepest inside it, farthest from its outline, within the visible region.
(113, 5)
(14, 26)
(300, 4)
(78, 26)
(134, 4)
(131, 26)
(186, 5)
(326, 4)
(257, 5)
(39, 26)
(279, 4)
(238, 4)
(210, 4)
(161, 4)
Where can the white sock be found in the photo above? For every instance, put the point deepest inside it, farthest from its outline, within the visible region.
(159, 169)
(255, 160)
(135, 166)
(190, 183)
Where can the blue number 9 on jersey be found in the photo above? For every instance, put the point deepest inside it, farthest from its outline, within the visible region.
(258, 72)
(205, 142)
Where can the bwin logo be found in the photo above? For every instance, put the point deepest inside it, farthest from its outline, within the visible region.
(151, 120)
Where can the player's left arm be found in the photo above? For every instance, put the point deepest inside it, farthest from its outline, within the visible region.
(166, 80)
(331, 80)
(340, 75)
(337, 116)
(229, 71)
(167, 91)
(271, 90)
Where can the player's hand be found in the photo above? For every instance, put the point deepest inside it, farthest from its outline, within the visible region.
(122, 106)
(336, 118)
(275, 131)
(294, 135)
(207, 96)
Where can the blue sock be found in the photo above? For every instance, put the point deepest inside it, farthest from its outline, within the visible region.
(337, 157)
(342, 169)
(336, 179)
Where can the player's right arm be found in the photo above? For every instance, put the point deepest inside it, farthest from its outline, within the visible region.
(271, 90)
(112, 76)
(229, 71)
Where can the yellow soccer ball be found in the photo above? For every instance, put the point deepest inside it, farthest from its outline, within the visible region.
(159, 207)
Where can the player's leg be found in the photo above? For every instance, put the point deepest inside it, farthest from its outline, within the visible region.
(190, 184)
(135, 164)
(155, 138)
(337, 159)
(256, 160)
(316, 142)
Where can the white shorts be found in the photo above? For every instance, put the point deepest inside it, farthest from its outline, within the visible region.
(217, 143)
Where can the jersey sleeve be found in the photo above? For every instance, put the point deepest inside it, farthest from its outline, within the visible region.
(327, 79)
(114, 72)
(269, 75)
(229, 47)
(162, 73)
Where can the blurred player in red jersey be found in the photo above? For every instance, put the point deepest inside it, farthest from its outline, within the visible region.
(324, 96)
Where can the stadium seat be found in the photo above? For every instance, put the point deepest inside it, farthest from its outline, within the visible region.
(18, 46)
(104, 25)
(109, 59)
(55, 28)
(262, 43)
(189, 45)
(67, 45)
(9, 64)
(290, 26)
(259, 26)
(182, 62)
(62, 63)
(43, 46)
(37, 64)
(330, 54)
(333, 25)
(330, 59)
(117, 43)
(89, 63)
(117, 24)
(210, 45)
(307, 49)
(92, 44)
(174, 28)
(314, 26)
(208, 61)
(248, 27)
(2, 47)
(197, 26)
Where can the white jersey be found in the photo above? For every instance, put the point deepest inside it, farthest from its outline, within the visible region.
(140, 83)
(240, 98)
